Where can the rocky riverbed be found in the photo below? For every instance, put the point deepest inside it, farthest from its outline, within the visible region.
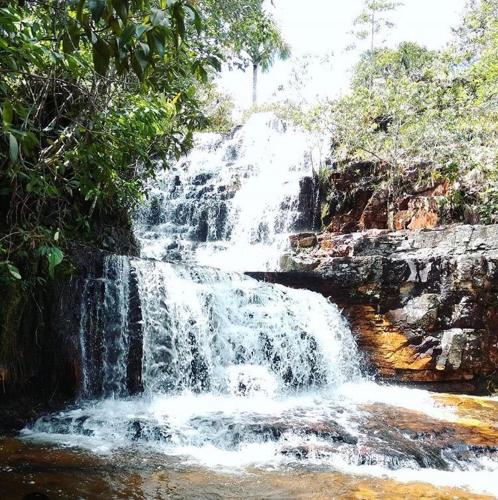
(470, 430)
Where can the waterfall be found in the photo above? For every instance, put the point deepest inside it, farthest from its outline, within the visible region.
(204, 327)
(232, 202)
(108, 331)
(182, 354)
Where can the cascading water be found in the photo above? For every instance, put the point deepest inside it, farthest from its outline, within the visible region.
(209, 365)
(209, 330)
(233, 201)
(108, 331)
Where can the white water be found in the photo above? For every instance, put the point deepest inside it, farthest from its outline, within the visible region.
(237, 373)
(105, 313)
(232, 202)
(206, 329)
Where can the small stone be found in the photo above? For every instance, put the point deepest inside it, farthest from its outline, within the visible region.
(307, 242)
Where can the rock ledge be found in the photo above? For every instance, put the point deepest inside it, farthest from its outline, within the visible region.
(423, 304)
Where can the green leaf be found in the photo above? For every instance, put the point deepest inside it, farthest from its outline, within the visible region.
(127, 34)
(71, 38)
(121, 8)
(137, 4)
(156, 42)
(79, 10)
(179, 16)
(54, 257)
(96, 8)
(159, 18)
(215, 63)
(7, 114)
(199, 71)
(197, 18)
(139, 62)
(101, 56)
(13, 148)
(13, 271)
(141, 29)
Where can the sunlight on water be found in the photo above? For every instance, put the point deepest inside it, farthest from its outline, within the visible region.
(323, 428)
(233, 201)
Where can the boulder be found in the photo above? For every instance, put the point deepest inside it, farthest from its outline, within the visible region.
(419, 313)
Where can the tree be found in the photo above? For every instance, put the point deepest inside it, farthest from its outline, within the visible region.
(263, 43)
(478, 28)
(374, 19)
(91, 92)
(408, 60)
(421, 117)
(247, 33)
(267, 44)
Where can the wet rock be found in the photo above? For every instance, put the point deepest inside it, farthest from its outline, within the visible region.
(307, 205)
(139, 430)
(299, 452)
(288, 262)
(331, 432)
(201, 179)
(304, 240)
(453, 344)
(398, 437)
(418, 313)
(351, 202)
(423, 304)
(465, 314)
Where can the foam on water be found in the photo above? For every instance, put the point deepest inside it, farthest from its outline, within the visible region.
(233, 200)
(201, 324)
(225, 371)
(233, 432)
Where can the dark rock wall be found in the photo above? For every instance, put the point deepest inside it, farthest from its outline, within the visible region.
(423, 304)
(39, 358)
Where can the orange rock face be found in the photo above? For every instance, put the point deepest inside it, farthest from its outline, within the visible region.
(363, 206)
(390, 352)
(385, 345)
(421, 213)
(423, 304)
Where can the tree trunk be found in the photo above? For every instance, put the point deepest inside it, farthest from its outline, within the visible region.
(391, 213)
(372, 34)
(254, 84)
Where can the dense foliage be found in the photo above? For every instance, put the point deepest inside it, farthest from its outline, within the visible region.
(428, 115)
(90, 92)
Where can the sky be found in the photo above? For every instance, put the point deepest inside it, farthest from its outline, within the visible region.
(320, 27)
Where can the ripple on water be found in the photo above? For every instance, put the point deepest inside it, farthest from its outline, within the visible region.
(355, 431)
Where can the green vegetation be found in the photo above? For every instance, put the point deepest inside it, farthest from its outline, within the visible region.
(426, 116)
(251, 38)
(374, 20)
(263, 44)
(91, 93)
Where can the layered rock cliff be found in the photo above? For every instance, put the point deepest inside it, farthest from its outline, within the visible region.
(423, 304)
